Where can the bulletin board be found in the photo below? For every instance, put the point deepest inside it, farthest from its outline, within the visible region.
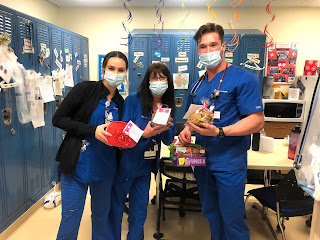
(282, 58)
(121, 88)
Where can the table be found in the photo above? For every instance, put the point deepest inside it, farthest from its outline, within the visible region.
(277, 160)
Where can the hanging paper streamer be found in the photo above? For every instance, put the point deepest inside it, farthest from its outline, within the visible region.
(210, 9)
(183, 26)
(266, 32)
(234, 42)
(128, 21)
(158, 40)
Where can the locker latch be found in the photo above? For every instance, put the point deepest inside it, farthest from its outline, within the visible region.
(178, 101)
(58, 102)
(7, 116)
(45, 108)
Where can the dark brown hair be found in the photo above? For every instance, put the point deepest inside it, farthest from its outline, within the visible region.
(208, 28)
(114, 54)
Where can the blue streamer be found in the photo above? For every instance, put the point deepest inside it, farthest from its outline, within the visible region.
(158, 39)
(125, 23)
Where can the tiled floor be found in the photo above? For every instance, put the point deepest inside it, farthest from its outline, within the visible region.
(44, 224)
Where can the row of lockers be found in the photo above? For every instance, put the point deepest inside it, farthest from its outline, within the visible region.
(177, 49)
(27, 155)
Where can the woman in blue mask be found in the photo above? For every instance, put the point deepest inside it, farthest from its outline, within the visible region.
(136, 166)
(85, 157)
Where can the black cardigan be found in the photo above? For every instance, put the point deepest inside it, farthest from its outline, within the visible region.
(75, 112)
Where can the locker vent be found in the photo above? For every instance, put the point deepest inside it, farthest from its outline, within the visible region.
(25, 28)
(253, 45)
(183, 46)
(6, 23)
(85, 47)
(231, 48)
(43, 35)
(77, 45)
(67, 42)
(163, 48)
(57, 39)
(139, 45)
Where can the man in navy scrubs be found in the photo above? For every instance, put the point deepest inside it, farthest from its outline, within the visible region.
(238, 112)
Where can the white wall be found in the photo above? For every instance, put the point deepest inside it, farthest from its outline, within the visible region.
(103, 26)
(41, 9)
(104, 29)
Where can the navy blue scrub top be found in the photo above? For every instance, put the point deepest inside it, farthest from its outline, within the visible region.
(239, 96)
(97, 161)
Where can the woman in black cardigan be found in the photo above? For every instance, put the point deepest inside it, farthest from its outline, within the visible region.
(85, 156)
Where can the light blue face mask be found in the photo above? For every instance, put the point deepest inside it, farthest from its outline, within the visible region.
(158, 88)
(210, 59)
(114, 79)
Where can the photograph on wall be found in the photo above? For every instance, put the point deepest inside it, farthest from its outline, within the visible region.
(181, 80)
(282, 58)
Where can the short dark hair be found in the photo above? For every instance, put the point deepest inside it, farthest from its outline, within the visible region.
(145, 93)
(114, 54)
(207, 28)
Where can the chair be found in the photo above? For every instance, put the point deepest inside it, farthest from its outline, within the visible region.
(286, 198)
(180, 192)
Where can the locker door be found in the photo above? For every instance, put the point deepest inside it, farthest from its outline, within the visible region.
(25, 42)
(58, 133)
(77, 71)
(232, 54)
(13, 161)
(139, 60)
(160, 51)
(2, 188)
(47, 132)
(85, 59)
(251, 46)
(6, 25)
(183, 72)
(66, 50)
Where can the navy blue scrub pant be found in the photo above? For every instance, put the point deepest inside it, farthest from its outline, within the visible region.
(138, 189)
(73, 196)
(222, 199)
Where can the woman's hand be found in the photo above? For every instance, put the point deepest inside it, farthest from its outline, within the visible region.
(101, 134)
(185, 136)
(153, 131)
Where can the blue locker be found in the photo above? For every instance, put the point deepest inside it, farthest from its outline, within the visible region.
(58, 133)
(160, 50)
(13, 160)
(252, 42)
(139, 51)
(85, 59)
(183, 56)
(77, 72)
(232, 53)
(6, 24)
(26, 35)
(43, 32)
(66, 50)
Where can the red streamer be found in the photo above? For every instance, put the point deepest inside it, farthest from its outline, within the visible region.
(266, 32)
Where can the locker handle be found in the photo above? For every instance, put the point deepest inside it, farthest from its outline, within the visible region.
(45, 108)
(7, 116)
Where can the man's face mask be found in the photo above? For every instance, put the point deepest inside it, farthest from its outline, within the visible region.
(114, 79)
(210, 59)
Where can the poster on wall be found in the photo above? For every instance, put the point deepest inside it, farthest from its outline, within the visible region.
(282, 59)
(121, 87)
(180, 80)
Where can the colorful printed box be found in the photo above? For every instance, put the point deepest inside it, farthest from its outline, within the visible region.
(187, 161)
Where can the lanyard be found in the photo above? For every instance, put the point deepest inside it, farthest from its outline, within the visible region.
(213, 95)
(108, 115)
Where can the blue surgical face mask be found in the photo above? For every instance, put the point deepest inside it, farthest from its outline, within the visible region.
(114, 79)
(210, 59)
(158, 88)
